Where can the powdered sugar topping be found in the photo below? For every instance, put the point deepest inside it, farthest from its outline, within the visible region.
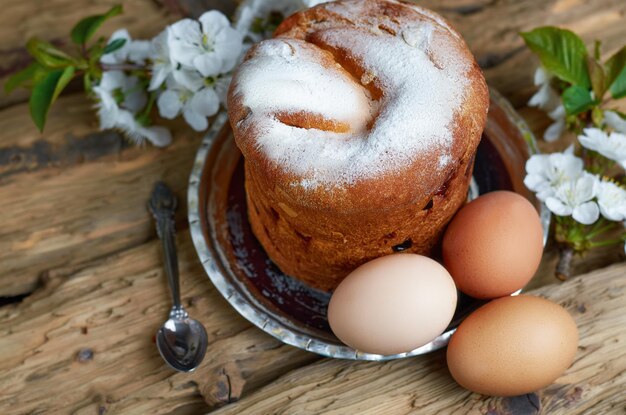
(288, 76)
(422, 89)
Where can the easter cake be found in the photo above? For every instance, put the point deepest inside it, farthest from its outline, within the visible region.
(358, 123)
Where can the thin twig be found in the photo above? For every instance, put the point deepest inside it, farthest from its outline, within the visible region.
(606, 242)
(564, 266)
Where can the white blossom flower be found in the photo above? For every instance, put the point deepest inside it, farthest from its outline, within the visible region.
(121, 54)
(139, 51)
(124, 90)
(574, 198)
(118, 101)
(161, 62)
(209, 45)
(244, 18)
(195, 106)
(135, 51)
(555, 130)
(187, 78)
(611, 146)
(132, 129)
(548, 99)
(615, 121)
(546, 172)
(611, 200)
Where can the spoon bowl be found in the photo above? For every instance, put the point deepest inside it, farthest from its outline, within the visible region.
(182, 341)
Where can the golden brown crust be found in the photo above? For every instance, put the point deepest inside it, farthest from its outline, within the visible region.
(320, 234)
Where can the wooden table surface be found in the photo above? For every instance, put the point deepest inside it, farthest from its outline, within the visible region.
(82, 288)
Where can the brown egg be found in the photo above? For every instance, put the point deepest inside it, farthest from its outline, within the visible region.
(393, 304)
(512, 346)
(493, 245)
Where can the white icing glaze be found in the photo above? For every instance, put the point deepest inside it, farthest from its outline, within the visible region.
(413, 116)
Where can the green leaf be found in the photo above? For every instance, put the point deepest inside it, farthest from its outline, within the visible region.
(577, 100)
(615, 68)
(615, 65)
(113, 46)
(66, 77)
(85, 29)
(46, 92)
(22, 77)
(598, 78)
(618, 87)
(47, 54)
(561, 52)
(87, 83)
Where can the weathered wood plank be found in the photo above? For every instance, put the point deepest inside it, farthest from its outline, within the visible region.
(74, 194)
(595, 384)
(84, 342)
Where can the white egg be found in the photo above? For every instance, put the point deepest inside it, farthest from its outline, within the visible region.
(393, 304)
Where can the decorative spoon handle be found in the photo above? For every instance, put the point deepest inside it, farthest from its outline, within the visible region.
(162, 205)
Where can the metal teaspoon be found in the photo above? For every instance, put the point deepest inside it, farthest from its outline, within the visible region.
(182, 341)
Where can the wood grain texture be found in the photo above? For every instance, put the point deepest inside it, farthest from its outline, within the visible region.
(74, 229)
(84, 343)
(595, 384)
(76, 194)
